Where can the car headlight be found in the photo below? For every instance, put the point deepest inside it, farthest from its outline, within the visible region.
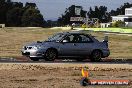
(36, 47)
(23, 47)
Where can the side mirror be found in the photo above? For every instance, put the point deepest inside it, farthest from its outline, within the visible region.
(65, 41)
(105, 39)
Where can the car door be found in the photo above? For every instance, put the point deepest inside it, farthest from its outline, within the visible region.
(68, 48)
(85, 45)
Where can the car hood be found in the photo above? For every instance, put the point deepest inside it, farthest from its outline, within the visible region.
(36, 44)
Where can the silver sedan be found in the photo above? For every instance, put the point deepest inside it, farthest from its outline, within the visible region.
(67, 45)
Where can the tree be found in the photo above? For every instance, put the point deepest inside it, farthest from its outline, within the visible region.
(15, 14)
(30, 5)
(120, 10)
(100, 13)
(51, 23)
(5, 5)
(14, 17)
(32, 17)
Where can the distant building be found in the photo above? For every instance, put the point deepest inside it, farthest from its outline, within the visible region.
(105, 25)
(127, 18)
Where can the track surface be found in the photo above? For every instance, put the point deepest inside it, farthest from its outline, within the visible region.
(104, 61)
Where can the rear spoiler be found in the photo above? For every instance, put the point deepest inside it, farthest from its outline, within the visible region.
(106, 39)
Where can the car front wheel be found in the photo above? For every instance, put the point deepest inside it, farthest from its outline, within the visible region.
(96, 55)
(50, 55)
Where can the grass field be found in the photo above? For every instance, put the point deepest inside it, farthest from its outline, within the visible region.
(12, 40)
(120, 30)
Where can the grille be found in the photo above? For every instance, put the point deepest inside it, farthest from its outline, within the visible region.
(25, 48)
(27, 53)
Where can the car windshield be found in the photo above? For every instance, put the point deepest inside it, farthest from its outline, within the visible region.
(56, 37)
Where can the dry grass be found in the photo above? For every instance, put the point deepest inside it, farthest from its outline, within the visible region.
(12, 40)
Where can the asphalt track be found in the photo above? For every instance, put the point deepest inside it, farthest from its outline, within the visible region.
(104, 61)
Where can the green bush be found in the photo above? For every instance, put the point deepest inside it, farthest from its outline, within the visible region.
(118, 24)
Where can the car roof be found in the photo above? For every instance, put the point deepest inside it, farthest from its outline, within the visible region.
(75, 32)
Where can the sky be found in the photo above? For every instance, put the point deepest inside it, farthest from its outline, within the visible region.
(52, 9)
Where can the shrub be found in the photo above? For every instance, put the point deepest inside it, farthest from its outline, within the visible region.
(118, 24)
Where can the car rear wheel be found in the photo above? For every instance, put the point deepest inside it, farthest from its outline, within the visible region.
(34, 59)
(50, 55)
(96, 55)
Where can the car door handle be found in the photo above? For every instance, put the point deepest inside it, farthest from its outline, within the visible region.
(74, 44)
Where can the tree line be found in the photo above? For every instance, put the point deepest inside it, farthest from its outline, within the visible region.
(17, 14)
(99, 12)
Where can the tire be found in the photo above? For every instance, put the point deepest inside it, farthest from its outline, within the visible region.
(50, 55)
(34, 59)
(96, 56)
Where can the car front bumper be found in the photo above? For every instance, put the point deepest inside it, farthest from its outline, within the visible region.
(32, 53)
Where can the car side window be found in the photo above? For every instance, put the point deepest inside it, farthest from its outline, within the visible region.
(76, 38)
(85, 39)
(69, 38)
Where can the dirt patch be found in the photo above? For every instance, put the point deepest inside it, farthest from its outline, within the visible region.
(59, 76)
